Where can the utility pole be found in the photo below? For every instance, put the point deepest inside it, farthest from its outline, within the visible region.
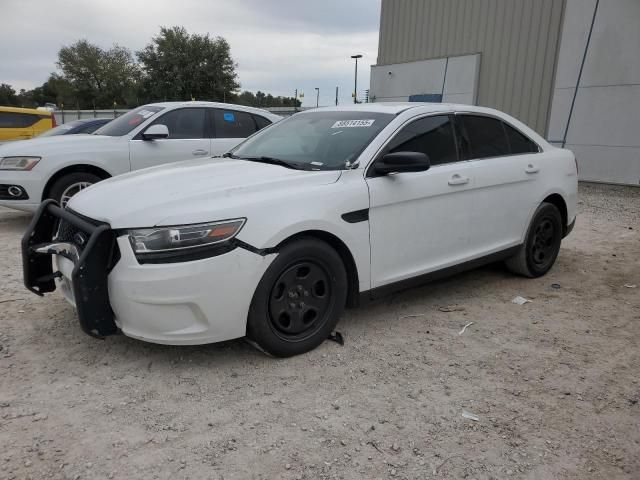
(355, 88)
(336, 96)
(295, 102)
(317, 97)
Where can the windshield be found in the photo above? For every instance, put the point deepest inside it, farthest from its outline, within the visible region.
(60, 129)
(127, 122)
(322, 140)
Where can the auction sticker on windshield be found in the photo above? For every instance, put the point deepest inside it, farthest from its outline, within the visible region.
(352, 123)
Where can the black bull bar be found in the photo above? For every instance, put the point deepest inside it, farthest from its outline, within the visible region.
(92, 253)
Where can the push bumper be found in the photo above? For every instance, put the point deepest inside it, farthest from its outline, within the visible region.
(184, 303)
(90, 251)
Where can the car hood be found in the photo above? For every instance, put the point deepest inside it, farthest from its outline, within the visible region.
(192, 191)
(46, 146)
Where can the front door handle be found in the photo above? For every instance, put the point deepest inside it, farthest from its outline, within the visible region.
(457, 179)
(531, 168)
(199, 152)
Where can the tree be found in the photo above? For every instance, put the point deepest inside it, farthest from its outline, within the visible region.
(99, 77)
(7, 95)
(260, 99)
(182, 66)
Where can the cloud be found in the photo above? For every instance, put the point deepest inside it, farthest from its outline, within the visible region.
(279, 45)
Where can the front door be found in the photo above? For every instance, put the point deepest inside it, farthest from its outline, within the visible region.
(188, 138)
(419, 222)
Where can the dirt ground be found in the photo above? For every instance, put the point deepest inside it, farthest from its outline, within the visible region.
(554, 383)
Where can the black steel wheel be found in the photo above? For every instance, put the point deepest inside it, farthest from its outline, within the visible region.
(299, 298)
(542, 243)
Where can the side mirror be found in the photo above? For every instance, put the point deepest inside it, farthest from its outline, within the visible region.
(399, 162)
(154, 132)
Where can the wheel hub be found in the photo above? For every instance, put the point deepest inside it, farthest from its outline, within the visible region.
(544, 242)
(300, 300)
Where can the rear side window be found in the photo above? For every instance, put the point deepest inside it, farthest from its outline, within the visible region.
(184, 123)
(518, 142)
(261, 122)
(233, 124)
(430, 135)
(483, 137)
(17, 120)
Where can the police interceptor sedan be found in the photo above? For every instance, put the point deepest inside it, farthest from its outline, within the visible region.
(312, 214)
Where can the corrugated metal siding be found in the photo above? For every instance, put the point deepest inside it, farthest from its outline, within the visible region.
(518, 40)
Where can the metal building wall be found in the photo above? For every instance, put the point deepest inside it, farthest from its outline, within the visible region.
(517, 39)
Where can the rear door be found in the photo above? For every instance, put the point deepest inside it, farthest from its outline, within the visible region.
(189, 137)
(505, 170)
(420, 222)
(230, 128)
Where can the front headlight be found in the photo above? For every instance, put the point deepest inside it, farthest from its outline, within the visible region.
(182, 238)
(18, 163)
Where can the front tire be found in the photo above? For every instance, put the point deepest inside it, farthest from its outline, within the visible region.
(67, 186)
(299, 299)
(542, 243)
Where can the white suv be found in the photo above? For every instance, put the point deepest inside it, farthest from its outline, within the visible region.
(317, 211)
(59, 167)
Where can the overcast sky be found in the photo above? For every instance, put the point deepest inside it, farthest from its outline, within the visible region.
(279, 45)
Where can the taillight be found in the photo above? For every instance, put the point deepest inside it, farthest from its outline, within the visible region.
(53, 120)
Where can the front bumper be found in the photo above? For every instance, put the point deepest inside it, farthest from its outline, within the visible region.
(32, 183)
(185, 303)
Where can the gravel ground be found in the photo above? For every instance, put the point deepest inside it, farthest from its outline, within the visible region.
(554, 383)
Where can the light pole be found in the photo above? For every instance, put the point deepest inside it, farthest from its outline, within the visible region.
(317, 97)
(355, 89)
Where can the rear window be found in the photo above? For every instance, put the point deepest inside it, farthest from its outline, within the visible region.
(18, 120)
(127, 122)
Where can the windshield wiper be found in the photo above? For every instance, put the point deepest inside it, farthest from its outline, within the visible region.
(273, 161)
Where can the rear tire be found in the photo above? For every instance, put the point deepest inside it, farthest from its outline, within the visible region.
(542, 243)
(299, 299)
(68, 185)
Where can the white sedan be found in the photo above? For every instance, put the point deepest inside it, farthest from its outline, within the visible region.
(58, 167)
(310, 215)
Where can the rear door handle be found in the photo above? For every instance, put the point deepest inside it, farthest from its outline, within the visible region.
(531, 168)
(458, 180)
(199, 152)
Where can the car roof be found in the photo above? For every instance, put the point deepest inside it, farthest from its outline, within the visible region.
(25, 110)
(197, 103)
(399, 107)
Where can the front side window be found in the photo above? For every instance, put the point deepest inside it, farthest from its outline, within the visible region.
(233, 124)
(127, 122)
(320, 140)
(433, 136)
(483, 137)
(184, 123)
